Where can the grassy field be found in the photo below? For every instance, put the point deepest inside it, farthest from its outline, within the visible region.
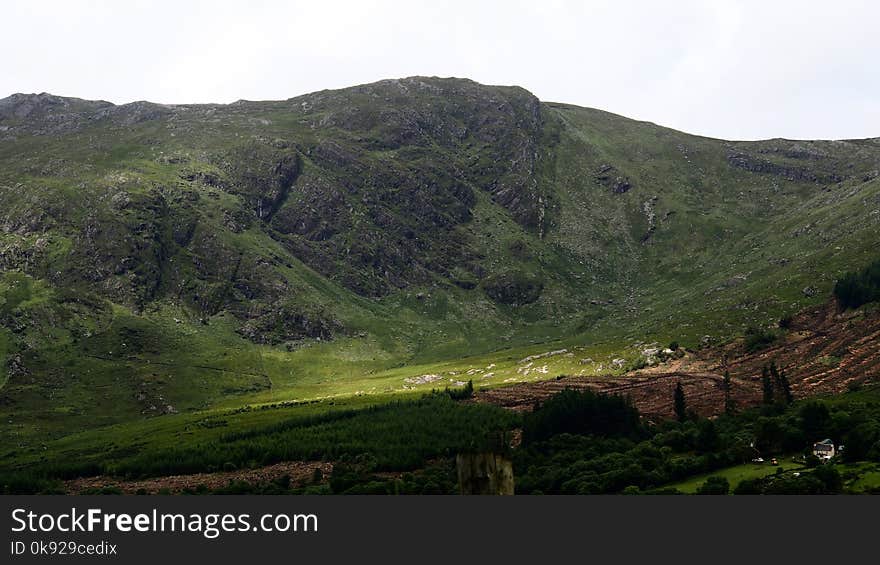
(861, 478)
(738, 473)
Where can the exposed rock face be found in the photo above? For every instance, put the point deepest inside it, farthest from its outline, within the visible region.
(648, 209)
(756, 164)
(46, 114)
(290, 322)
(15, 367)
(609, 177)
(409, 205)
(374, 197)
(498, 126)
(514, 288)
(262, 175)
(46, 106)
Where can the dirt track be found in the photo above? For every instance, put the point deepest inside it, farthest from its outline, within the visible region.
(822, 352)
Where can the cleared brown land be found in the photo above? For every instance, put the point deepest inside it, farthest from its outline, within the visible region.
(300, 473)
(823, 351)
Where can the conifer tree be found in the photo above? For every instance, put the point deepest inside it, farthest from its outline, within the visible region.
(679, 403)
(728, 400)
(767, 386)
(782, 388)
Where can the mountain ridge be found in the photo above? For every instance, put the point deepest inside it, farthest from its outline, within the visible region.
(176, 258)
(553, 103)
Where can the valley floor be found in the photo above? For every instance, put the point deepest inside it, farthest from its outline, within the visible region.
(300, 445)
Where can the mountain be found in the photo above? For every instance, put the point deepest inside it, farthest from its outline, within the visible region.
(171, 258)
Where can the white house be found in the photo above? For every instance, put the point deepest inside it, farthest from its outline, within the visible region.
(824, 449)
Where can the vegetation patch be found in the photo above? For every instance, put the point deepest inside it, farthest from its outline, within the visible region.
(513, 287)
(861, 287)
(758, 338)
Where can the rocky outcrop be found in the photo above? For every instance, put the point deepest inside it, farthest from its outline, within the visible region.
(612, 179)
(754, 164)
(262, 174)
(290, 322)
(513, 287)
(15, 367)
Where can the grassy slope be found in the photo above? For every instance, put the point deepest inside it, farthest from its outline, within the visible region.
(729, 248)
(858, 478)
(736, 475)
(731, 252)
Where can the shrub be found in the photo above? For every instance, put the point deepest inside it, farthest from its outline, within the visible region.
(749, 486)
(832, 482)
(636, 363)
(714, 485)
(758, 338)
(467, 391)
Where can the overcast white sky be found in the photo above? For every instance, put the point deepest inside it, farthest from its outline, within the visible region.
(729, 69)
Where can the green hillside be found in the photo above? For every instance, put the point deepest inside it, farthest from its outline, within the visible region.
(385, 238)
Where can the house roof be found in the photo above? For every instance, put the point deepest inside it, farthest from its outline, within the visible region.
(825, 442)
